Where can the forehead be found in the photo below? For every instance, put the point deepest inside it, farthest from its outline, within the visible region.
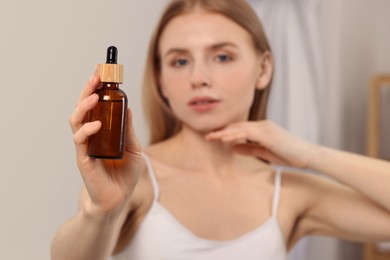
(201, 28)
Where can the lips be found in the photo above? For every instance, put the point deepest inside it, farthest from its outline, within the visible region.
(203, 104)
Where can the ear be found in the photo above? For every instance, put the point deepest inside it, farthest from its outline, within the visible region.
(266, 70)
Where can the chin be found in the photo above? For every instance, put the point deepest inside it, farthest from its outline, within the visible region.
(211, 124)
(206, 128)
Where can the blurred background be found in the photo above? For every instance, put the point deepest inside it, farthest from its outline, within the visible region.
(49, 49)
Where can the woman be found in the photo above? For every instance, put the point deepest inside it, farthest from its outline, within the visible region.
(204, 188)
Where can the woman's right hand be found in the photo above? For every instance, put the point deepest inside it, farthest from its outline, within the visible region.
(109, 183)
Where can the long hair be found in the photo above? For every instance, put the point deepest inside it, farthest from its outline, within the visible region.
(159, 117)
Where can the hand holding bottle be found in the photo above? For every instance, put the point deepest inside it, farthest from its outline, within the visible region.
(109, 182)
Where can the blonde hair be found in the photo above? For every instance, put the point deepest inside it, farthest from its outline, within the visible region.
(161, 121)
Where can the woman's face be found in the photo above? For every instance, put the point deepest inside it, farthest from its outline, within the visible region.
(209, 70)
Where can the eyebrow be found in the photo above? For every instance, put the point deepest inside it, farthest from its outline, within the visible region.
(213, 47)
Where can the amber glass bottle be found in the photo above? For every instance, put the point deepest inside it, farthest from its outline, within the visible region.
(111, 110)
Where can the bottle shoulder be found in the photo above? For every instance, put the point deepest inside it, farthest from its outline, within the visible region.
(110, 93)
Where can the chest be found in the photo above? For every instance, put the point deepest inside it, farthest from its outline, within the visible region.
(204, 221)
(218, 210)
(162, 237)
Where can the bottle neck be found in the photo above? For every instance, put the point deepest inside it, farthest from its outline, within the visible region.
(110, 85)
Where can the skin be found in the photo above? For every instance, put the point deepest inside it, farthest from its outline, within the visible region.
(230, 192)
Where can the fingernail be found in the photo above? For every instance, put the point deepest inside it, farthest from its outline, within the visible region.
(96, 123)
(92, 98)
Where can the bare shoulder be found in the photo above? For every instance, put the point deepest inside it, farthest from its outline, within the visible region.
(301, 187)
(142, 196)
(162, 151)
(143, 193)
(139, 205)
(300, 193)
(308, 186)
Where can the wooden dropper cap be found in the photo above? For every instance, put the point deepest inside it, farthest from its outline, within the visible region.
(111, 71)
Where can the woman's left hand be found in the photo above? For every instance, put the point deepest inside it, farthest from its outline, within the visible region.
(268, 141)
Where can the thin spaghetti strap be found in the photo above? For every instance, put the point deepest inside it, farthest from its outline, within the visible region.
(152, 175)
(276, 197)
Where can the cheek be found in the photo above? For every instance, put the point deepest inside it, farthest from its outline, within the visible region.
(240, 83)
(243, 100)
(172, 85)
(173, 88)
(241, 87)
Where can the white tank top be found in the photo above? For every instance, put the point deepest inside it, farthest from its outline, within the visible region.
(162, 237)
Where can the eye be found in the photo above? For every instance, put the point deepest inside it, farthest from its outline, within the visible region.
(180, 62)
(223, 58)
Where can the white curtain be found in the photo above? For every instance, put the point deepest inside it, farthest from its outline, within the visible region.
(293, 29)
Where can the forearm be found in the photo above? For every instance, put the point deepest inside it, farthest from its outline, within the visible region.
(368, 176)
(86, 236)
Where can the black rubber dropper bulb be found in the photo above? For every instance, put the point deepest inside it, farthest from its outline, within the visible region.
(112, 55)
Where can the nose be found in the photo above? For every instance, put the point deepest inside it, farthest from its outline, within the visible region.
(200, 76)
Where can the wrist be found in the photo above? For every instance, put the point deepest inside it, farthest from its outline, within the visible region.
(91, 212)
(318, 157)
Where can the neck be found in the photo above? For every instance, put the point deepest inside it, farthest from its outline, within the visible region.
(190, 150)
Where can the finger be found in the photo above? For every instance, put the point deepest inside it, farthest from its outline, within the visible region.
(245, 132)
(77, 119)
(90, 87)
(234, 138)
(80, 138)
(228, 136)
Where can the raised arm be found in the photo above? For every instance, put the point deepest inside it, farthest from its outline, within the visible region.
(368, 176)
(107, 196)
(359, 210)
